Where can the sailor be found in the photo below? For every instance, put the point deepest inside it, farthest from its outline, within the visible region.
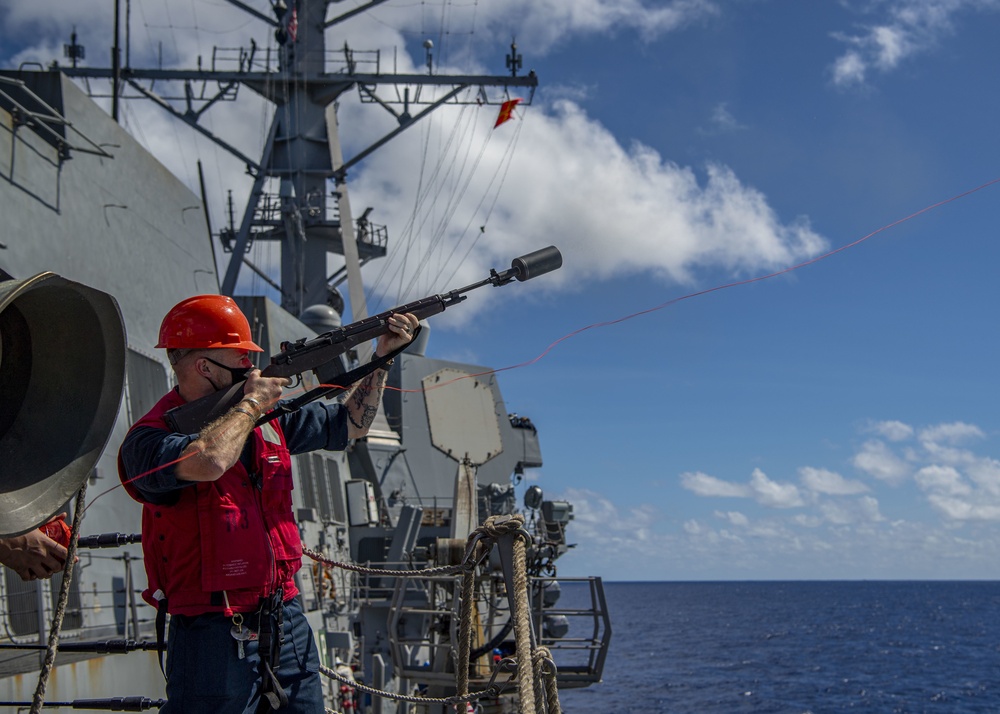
(219, 540)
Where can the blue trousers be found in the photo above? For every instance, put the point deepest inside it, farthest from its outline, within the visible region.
(206, 676)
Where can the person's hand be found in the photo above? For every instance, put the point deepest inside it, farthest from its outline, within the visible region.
(32, 555)
(266, 390)
(402, 328)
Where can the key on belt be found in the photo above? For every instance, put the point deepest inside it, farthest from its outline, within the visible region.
(241, 633)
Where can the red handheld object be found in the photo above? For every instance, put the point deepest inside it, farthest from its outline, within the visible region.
(57, 530)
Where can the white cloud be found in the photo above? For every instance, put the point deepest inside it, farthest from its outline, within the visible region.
(693, 527)
(849, 69)
(664, 221)
(957, 499)
(837, 536)
(593, 512)
(864, 510)
(985, 473)
(774, 494)
(891, 44)
(892, 430)
(595, 516)
(806, 520)
(876, 459)
(760, 488)
(836, 513)
(734, 517)
(943, 524)
(907, 28)
(722, 121)
(830, 482)
(705, 485)
(952, 433)
(868, 506)
(942, 480)
(960, 509)
(545, 23)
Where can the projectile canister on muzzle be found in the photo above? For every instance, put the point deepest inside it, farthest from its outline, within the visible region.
(62, 373)
(538, 263)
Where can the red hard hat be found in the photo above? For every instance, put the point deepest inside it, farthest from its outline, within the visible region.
(206, 322)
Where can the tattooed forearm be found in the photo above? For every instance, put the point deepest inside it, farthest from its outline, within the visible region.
(367, 417)
(364, 400)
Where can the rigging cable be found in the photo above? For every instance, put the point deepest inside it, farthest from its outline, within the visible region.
(443, 29)
(457, 183)
(444, 182)
(460, 186)
(501, 171)
(132, 122)
(457, 199)
(406, 234)
(435, 184)
(508, 157)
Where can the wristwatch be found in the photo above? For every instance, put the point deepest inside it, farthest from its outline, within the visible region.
(385, 366)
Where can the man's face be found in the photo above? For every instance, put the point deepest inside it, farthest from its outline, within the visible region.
(225, 367)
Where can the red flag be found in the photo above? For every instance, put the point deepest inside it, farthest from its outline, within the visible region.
(293, 25)
(507, 111)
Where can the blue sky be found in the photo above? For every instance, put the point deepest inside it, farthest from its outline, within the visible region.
(838, 421)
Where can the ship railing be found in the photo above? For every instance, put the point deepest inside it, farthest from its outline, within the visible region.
(372, 589)
(242, 59)
(423, 628)
(268, 222)
(47, 122)
(580, 654)
(425, 620)
(268, 217)
(333, 590)
(94, 610)
(268, 60)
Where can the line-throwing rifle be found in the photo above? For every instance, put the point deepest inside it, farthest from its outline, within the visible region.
(306, 355)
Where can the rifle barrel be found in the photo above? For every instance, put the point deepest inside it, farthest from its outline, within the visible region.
(307, 355)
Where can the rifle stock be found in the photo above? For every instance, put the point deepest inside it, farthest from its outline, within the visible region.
(306, 354)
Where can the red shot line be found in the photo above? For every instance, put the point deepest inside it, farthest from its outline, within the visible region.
(737, 283)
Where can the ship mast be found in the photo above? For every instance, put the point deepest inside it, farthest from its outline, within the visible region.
(303, 152)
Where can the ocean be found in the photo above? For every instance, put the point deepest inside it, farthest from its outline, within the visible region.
(797, 648)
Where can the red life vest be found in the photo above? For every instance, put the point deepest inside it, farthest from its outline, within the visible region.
(225, 536)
